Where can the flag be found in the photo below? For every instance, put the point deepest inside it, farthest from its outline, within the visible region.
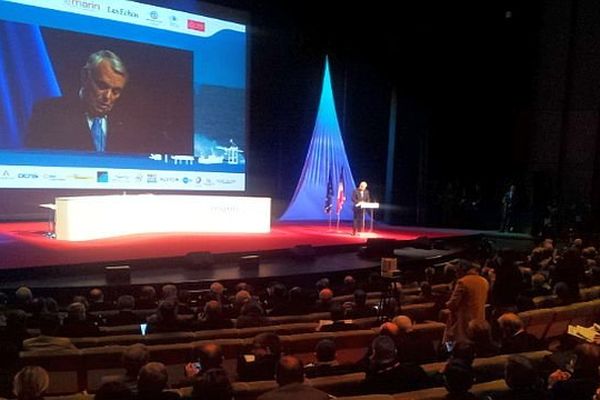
(329, 194)
(341, 197)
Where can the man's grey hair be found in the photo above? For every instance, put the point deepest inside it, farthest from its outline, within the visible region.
(106, 55)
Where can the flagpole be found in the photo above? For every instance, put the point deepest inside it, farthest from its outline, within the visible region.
(338, 223)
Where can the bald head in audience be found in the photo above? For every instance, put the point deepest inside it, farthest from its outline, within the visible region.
(389, 329)
(289, 370)
(217, 288)
(134, 358)
(210, 356)
(153, 378)
(169, 292)
(404, 323)
(325, 295)
(510, 324)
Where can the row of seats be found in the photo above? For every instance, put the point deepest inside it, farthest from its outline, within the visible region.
(585, 294)
(75, 370)
(487, 371)
(283, 325)
(550, 323)
(543, 323)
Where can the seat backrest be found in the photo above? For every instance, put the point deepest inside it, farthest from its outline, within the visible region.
(537, 321)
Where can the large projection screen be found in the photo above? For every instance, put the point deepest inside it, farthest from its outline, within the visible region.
(171, 116)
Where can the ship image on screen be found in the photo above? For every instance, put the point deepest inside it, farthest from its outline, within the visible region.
(114, 94)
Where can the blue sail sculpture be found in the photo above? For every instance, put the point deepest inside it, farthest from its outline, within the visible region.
(326, 166)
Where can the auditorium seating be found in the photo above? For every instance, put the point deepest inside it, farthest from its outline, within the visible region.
(550, 323)
(348, 384)
(73, 370)
(78, 370)
(439, 393)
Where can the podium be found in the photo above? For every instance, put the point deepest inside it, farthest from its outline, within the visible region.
(365, 205)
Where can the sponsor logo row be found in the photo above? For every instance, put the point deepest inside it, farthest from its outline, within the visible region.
(153, 16)
(116, 177)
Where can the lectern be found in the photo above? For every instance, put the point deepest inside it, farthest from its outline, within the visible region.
(367, 206)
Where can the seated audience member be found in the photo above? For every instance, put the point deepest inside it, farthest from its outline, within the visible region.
(479, 332)
(570, 271)
(240, 299)
(252, 315)
(539, 286)
(184, 298)
(349, 285)
(388, 329)
(325, 300)
(152, 382)
(114, 390)
(323, 283)
(243, 286)
(458, 378)
(290, 378)
(299, 302)
(582, 382)
(31, 383)
(411, 348)
(359, 308)
(212, 318)
(169, 292)
(9, 365)
(427, 295)
(464, 352)
(563, 295)
(48, 339)
(514, 339)
(326, 363)
(96, 301)
(146, 299)
(337, 323)
(125, 316)
(214, 384)
(386, 374)
(508, 281)
(375, 283)
(216, 292)
(166, 319)
(277, 301)
(208, 356)
(15, 330)
(523, 380)
(23, 299)
(260, 362)
(76, 324)
(133, 359)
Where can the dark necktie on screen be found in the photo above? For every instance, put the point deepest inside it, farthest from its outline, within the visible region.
(98, 134)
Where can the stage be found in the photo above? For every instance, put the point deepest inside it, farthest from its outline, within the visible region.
(30, 257)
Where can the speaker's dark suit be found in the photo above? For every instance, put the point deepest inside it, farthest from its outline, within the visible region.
(61, 124)
(357, 197)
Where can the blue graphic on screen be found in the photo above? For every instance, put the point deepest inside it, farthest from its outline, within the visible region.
(26, 76)
(181, 107)
(326, 184)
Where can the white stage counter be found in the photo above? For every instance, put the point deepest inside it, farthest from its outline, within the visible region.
(95, 217)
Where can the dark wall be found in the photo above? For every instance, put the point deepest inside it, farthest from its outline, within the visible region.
(462, 74)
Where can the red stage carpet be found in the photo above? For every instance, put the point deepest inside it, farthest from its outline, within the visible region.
(23, 244)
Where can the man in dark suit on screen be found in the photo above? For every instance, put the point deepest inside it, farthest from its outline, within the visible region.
(359, 195)
(85, 121)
